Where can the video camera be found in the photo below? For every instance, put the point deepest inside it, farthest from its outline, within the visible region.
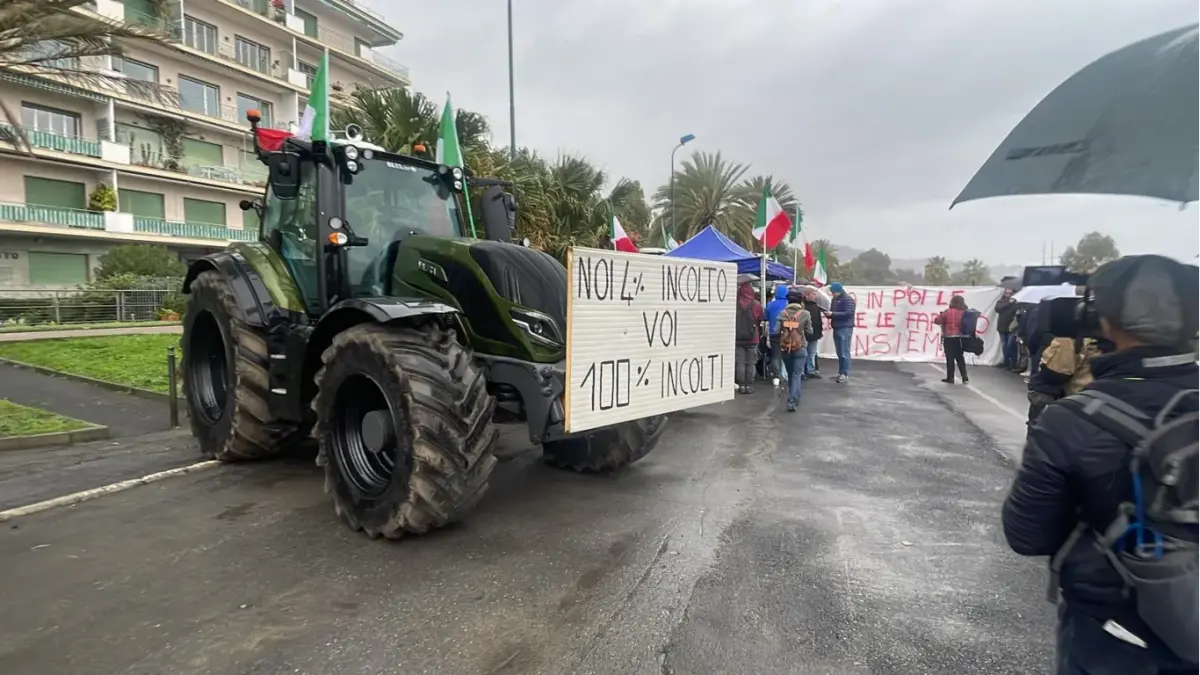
(1069, 317)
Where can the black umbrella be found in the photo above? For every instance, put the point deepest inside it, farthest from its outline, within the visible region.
(1124, 125)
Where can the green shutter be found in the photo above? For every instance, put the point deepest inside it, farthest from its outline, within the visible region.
(61, 193)
(142, 204)
(250, 221)
(201, 211)
(202, 153)
(57, 269)
(310, 22)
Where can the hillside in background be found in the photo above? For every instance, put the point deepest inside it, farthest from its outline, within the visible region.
(918, 264)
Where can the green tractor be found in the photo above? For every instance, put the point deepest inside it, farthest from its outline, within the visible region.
(365, 317)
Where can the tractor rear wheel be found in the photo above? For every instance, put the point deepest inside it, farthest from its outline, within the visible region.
(405, 427)
(606, 449)
(225, 378)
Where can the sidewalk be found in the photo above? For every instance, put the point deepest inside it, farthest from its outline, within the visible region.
(86, 332)
(123, 414)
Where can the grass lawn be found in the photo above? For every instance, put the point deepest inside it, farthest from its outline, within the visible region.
(41, 328)
(134, 360)
(17, 420)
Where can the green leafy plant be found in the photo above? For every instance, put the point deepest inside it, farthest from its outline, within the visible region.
(103, 198)
(172, 132)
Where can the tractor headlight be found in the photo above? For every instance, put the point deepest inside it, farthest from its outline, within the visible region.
(458, 186)
(352, 166)
(351, 152)
(457, 173)
(539, 327)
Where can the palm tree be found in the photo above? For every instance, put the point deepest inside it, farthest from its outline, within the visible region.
(706, 192)
(392, 118)
(50, 39)
(749, 194)
(973, 273)
(937, 271)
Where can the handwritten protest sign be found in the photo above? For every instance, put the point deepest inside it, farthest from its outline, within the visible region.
(895, 323)
(646, 335)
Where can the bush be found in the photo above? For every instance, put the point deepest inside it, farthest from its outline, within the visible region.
(103, 198)
(139, 260)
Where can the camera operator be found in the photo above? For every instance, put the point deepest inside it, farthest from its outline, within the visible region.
(1076, 477)
(1065, 369)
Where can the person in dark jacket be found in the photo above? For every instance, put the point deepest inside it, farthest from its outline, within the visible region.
(841, 320)
(1006, 309)
(814, 340)
(951, 320)
(774, 307)
(749, 318)
(1072, 471)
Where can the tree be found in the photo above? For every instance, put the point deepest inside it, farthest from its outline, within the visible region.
(706, 193)
(49, 39)
(937, 271)
(973, 273)
(1094, 249)
(908, 276)
(139, 260)
(872, 267)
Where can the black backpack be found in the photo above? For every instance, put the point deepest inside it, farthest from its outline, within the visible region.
(747, 327)
(1152, 542)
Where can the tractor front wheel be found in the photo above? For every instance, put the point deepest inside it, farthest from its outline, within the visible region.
(405, 428)
(225, 378)
(606, 449)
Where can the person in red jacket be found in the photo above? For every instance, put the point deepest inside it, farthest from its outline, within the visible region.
(953, 341)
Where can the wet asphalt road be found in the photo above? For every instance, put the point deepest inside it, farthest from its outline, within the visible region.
(859, 535)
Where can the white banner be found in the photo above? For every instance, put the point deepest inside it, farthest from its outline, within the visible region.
(646, 335)
(895, 323)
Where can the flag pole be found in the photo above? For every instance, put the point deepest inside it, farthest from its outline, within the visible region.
(467, 202)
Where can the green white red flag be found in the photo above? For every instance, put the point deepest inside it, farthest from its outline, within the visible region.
(771, 223)
(616, 233)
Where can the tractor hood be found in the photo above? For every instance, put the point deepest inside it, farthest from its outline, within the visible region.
(525, 277)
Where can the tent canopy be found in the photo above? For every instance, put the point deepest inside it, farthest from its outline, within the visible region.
(710, 244)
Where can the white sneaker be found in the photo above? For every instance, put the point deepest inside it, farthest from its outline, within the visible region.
(775, 382)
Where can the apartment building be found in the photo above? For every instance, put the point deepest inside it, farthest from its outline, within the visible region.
(112, 166)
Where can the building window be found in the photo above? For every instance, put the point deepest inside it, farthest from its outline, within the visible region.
(41, 51)
(246, 103)
(135, 70)
(145, 145)
(310, 72)
(203, 211)
(310, 22)
(361, 47)
(61, 193)
(199, 35)
(49, 120)
(57, 269)
(252, 55)
(199, 97)
(142, 204)
(202, 153)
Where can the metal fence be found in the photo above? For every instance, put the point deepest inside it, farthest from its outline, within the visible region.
(35, 308)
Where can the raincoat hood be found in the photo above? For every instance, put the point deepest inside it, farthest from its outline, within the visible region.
(781, 292)
(745, 294)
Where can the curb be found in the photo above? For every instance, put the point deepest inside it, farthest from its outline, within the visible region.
(93, 432)
(103, 384)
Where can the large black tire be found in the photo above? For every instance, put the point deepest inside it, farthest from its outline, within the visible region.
(225, 378)
(607, 449)
(438, 456)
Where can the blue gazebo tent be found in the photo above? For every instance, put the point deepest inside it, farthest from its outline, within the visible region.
(710, 244)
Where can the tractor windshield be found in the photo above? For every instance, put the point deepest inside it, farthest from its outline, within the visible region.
(387, 202)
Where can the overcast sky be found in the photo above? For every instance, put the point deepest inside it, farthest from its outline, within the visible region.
(877, 112)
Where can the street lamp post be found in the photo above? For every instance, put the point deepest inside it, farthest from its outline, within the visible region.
(683, 140)
(512, 102)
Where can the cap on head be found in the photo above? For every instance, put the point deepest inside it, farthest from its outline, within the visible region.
(1151, 297)
(836, 287)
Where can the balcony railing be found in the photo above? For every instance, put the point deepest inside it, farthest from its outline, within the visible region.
(167, 25)
(58, 142)
(172, 228)
(228, 113)
(51, 215)
(390, 65)
(267, 8)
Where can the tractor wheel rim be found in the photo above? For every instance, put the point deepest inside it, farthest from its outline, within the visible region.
(208, 373)
(362, 435)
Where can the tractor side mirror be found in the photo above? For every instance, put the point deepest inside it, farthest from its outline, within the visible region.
(499, 214)
(283, 172)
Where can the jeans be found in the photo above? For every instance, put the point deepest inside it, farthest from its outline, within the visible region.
(745, 358)
(776, 358)
(1008, 344)
(953, 348)
(841, 345)
(794, 362)
(1085, 648)
(814, 348)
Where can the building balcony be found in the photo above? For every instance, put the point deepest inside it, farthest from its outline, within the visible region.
(184, 230)
(74, 145)
(57, 216)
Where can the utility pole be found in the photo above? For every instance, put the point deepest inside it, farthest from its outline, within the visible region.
(512, 100)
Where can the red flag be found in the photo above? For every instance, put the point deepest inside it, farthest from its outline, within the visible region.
(271, 140)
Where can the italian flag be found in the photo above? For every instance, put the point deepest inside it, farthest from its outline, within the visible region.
(669, 242)
(820, 275)
(448, 152)
(616, 233)
(314, 121)
(799, 241)
(771, 224)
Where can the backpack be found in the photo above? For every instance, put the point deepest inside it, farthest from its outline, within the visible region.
(1152, 541)
(747, 327)
(790, 338)
(970, 321)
